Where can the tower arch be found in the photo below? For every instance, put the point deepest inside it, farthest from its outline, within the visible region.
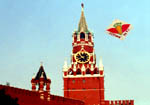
(88, 71)
(82, 35)
(78, 72)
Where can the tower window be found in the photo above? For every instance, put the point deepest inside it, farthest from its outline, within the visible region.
(73, 81)
(96, 71)
(78, 72)
(83, 80)
(82, 35)
(88, 71)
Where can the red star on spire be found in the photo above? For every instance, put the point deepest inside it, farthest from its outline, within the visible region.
(82, 5)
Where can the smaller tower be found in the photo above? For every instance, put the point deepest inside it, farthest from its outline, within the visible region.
(41, 80)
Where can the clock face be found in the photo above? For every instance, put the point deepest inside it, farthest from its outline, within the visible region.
(82, 57)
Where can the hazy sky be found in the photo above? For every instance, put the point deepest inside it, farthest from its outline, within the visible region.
(32, 31)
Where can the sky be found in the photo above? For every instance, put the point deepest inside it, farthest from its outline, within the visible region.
(34, 31)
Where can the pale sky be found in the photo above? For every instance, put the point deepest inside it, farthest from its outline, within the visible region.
(32, 31)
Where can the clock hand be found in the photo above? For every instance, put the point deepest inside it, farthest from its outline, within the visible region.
(82, 57)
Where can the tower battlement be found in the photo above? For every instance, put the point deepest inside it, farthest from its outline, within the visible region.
(119, 102)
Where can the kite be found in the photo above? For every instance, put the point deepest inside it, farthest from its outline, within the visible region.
(119, 29)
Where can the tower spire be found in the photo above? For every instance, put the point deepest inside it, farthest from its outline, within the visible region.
(101, 67)
(65, 67)
(82, 23)
(41, 63)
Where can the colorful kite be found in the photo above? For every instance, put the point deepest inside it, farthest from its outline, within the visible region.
(119, 29)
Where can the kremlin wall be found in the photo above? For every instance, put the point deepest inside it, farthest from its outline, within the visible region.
(27, 97)
(83, 79)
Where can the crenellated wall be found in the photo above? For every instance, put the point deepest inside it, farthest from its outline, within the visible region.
(27, 97)
(119, 102)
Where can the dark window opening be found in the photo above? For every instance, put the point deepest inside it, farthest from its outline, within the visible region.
(88, 71)
(82, 35)
(78, 72)
(96, 71)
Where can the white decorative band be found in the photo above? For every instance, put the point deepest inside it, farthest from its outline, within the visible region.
(83, 76)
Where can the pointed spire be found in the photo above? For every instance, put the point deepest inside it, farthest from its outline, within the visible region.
(92, 67)
(74, 67)
(65, 67)
(41, 63)
(82, 24)
(83, 68)
(101, 67)
(40, 73)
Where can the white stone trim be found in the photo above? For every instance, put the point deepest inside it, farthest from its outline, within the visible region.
(83, 76)
(86, 37)
(83, 68)
(65, 67)
(78, 37)
(82, 44)
(92, 67)
(101, 66)
(73, 38)
(74, 67)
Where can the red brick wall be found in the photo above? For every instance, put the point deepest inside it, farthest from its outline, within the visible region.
(26, 97)
(85, 89)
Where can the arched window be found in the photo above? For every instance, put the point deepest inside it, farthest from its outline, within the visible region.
(82, 35)
(88, 71)
(78, 72)
(96, 71)
(70, 72)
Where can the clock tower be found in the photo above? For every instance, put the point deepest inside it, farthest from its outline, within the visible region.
(83, 80)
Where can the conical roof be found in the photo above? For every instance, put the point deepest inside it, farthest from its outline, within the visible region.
(41, 73)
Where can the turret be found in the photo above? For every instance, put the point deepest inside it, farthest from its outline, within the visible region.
(65, 68)
(101, 67)
(41, 81)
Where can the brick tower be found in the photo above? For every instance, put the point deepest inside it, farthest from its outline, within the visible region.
(83, 80)
(43, 83)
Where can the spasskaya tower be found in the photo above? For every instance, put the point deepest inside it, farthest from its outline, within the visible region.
(83, 80)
